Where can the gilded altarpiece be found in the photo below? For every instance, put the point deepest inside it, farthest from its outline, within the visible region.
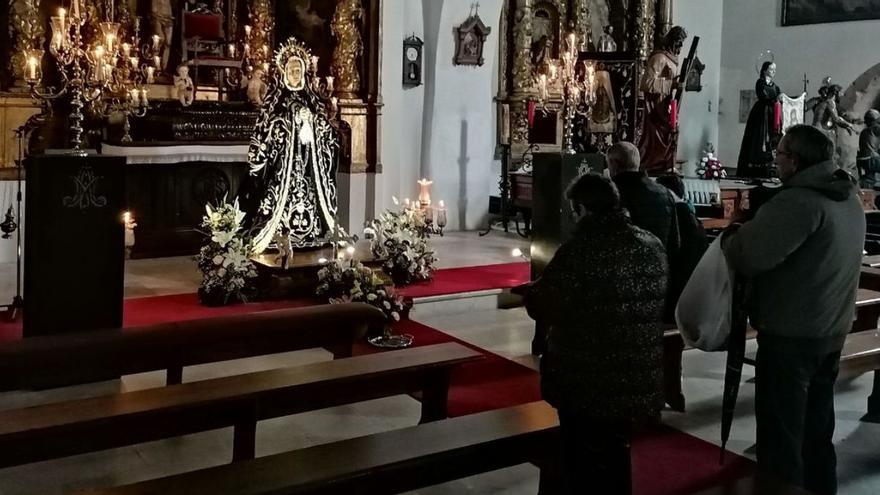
(532, 33)
(346, 34)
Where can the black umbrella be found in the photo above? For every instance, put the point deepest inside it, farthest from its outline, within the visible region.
(736, 349)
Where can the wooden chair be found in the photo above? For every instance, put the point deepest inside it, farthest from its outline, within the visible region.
(58, 360)
(391, 462)
(86, 425)
(203, 45)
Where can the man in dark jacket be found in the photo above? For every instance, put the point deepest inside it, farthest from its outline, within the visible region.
(650, 205)
(802, 255)
(602, 296)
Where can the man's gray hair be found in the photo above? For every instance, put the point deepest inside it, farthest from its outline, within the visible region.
(623, 157)
(809, 145)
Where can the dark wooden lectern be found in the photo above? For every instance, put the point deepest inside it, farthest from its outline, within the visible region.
(552, 221)
(74, 244)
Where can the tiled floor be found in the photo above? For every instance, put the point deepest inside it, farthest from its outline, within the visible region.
(506, 332)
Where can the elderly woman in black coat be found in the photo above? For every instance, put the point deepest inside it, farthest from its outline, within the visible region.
(602, 296)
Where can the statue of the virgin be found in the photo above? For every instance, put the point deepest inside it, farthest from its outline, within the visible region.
(293, 157)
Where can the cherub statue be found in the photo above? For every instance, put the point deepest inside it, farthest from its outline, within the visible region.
(256, 87)
(184, 88)
(285, 251)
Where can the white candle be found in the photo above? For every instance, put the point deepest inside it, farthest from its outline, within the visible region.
(133, 96)
(126, 49)
(134, 62)
(330, 83)
(110, 39)
(144, 100)
(247, 30)
(150, 73)
(76, 9)
(314, 61)
(157, 61)
(156, 42)
(231, 51)
(61, 14)
(32, 68)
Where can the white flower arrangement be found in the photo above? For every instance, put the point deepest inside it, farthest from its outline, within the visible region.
(401, 241)
(224, 262)
(344, 280)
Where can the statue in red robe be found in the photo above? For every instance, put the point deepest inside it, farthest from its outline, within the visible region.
(659, 140)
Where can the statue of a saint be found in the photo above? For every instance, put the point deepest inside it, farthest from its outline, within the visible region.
(184, 89)
(606, 41)
(659, 140)
(825, 114)
(542, 51)
(293, 158)
(162, 21)
(763, 128)
(349, 47)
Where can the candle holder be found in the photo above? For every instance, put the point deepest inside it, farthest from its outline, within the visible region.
(109, 75)
(578, 83)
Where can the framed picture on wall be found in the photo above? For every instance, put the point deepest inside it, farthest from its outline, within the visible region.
(798, 12)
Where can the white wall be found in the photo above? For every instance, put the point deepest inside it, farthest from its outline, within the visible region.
(445, 129)
(402, 113)
(699, 111)
(842, 50)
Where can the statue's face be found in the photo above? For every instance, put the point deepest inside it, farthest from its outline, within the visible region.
(183, 71)
(294, 74)
(771, 71)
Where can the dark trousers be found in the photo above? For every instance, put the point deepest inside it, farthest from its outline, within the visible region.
(595, 456)
(794, 409)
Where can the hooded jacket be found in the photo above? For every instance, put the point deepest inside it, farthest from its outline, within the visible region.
(802, 253)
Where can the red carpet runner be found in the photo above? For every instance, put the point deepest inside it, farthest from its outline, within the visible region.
(665, 461)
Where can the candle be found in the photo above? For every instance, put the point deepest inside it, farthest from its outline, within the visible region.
(134, 62)
(542, 86)
(129, 223)
(156, 42)
(247, 50)
(32, 68)
(673, 114)
(137, 23)
(330, 83)
(61, 14)
(441, 215)
(133, 96)
(231, 51)
(334, 105)
(150, 73)
(424, 192)
(157, 61)
(144, 100)
(553, 71)
(247, 30)
(126, 49)
(110, 39)
(314, 61)
(76, 9)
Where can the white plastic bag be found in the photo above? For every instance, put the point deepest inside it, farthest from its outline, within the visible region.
(703, 313)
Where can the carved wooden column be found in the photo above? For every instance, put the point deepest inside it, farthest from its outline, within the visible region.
(643, 28)
(581, 17)
(26, 32)
(522, 87)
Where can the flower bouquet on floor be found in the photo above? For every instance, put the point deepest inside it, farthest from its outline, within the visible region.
(224, 261)
(347, 280)
(401, 241)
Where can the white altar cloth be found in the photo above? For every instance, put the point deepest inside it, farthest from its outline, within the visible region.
(138, 155)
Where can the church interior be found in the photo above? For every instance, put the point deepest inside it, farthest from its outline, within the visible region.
(290, 246)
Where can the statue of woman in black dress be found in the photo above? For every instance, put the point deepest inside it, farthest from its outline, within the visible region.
(763, 129)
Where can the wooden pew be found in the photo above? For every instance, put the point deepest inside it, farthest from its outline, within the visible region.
(86, 425)
(867, 312)
(386, 463)
(861, 354)
(58, 360)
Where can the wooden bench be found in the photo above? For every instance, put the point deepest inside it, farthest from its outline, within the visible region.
(391, 462)
(86, 425)
(58, 360)
(860, 355)
(867, 312)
